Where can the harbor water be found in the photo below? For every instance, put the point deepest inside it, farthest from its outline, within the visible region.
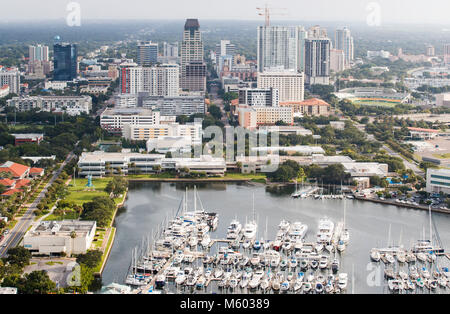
(370, 224)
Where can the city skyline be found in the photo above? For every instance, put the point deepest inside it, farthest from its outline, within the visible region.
(391, 12)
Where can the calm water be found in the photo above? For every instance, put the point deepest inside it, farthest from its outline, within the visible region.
(148, 205)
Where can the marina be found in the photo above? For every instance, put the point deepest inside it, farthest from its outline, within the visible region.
(236, 257)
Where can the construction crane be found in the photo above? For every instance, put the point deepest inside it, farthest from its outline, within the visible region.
(267, 12)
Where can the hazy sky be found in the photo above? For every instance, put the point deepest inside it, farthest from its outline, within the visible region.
(391, 11)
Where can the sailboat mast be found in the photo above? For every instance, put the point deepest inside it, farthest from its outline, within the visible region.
(431, 230)
(195, 198)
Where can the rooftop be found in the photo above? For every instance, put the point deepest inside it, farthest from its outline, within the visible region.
(64, 227)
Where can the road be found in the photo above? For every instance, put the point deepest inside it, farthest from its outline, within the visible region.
(16, 234)
(408, 164)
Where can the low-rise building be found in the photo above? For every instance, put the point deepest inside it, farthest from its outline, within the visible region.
(28, 138)
(309, 107)
(172, 144)
(72, 105)
(58, 237)
(96, 163)
(438, 180)
(251, 117)
(423, 134)
(285, 130)
(145, 132)
(113, 120)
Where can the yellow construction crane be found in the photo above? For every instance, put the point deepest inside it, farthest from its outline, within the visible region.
(267, 12)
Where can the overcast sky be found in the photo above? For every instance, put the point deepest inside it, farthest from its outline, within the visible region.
(391, 11)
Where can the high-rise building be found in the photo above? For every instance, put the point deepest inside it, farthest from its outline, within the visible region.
(193, 68)
(289, 83)
(447, 53)
(10, 77)
(224, 51)
(147, 53)
(161, 80)
(281, 46)
(170, 50)
(259, 97)
(317, 57)
(430, 51)
(38, 53)
(344, 41)
(337, 60)
(65, 62)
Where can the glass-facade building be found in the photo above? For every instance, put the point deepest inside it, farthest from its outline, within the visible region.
(65, 62)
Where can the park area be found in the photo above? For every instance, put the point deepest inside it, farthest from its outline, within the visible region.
(375, 102)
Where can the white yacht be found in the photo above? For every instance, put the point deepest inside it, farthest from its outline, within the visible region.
(326, 228)
(206, 241)
(342, 281)
(234, 229)
(250, 229)
(298, 230)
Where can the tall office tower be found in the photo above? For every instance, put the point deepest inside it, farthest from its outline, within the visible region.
(431, 52)
(147, 53)
(447, 53)
(193, 68)
(280, 46)
(344, 41)
(65, 62)
(317, 56)
(337, 60)
(10, 77)
(161, 80)
(289, 83)
(170, 50)
(225, 48)
(38, 53)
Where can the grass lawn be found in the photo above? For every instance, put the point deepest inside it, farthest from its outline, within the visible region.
(243, 176)
(442, 156)
(68, 215)
(51, 263)
(377, 103)
(80, 195)
(108, 247)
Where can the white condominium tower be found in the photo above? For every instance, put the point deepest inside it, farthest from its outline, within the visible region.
(161, 80)
(289, 83)
(281, 46)
(344, 41)
(193, 68)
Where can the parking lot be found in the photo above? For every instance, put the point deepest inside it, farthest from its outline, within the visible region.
(58, 269)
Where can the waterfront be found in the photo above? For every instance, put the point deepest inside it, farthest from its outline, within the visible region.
(149, 204)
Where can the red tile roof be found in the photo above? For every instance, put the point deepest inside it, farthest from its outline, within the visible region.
(22, 182)
(235, 102)
(6, 182)
(17, 170)
(307, 102)
(11, 192)
(36, 170)
(424, 130)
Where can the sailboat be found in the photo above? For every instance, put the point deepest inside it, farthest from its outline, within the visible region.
(251, 227)
(345, 235)
(297, 193)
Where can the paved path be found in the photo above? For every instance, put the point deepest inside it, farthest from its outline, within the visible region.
(21, 227)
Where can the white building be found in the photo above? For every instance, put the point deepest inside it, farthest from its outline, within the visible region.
(56, 237)
(259, 97)
(72, 105)
(57, 85)
(366, 169)
(114, 120)
(172, 144)
(438, 180)
(10, 77)
(185, 104)
(136, 132)
(281, 46)
(290, 84)
(344, 41)
(443, 100)
(160, 80)
(95, 163)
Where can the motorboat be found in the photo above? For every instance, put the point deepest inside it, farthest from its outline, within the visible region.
(375, 255)
(319, 287)
(244, 282)
(323, 263)
(284, 226)
(411, 257)
(307, 286)
(325, 230)
(160, 281)
(314, 264)
(218, 273)
(234, 229)
(287, 245)
(389, 258)
(250, 229)
(285, 286)
(345, 236)
(247, 243)
(425, 273)
(193, 241)
(341, 246)
(277, 244)
(401, 257)
(244, 261)
(395, 285)
(265, 283)
(201, 282)
(233, 283)
(422, 257)
(335, 266)
(293, 263)
(329, 248)
(180, 278)
(413, 273)
(255, 260)
(342, 281)
(206, 241)
(298, 230)
(257, 245)
(254, 282)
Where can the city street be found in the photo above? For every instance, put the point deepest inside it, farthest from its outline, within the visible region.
(15, 236)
